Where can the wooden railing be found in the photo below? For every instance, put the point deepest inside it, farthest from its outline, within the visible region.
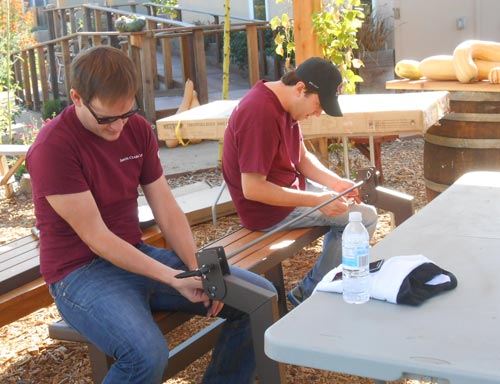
(43, 72)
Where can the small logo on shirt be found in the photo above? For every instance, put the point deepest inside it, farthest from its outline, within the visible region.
(131, 157)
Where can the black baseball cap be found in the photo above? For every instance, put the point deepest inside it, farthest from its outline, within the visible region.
(325, 79)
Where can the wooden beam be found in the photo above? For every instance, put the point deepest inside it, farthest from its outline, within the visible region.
(200, 65)
(306, 40)
(253, 55)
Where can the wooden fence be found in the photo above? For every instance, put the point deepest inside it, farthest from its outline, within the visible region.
(43, 71)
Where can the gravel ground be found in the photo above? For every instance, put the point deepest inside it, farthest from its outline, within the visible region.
(28, 356)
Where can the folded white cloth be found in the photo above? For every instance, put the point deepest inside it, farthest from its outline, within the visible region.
(401, 279)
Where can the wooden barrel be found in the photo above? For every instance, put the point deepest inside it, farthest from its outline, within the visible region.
(467, 139)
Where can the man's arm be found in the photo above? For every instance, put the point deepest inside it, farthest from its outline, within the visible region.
(174, 226)
(81, 213)
(314, 170)
(257, 188)
(171, 220)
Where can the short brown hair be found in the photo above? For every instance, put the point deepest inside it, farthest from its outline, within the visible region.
(103, 72)
(291, 78)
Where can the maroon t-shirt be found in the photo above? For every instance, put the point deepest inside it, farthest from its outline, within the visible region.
(67, 158)
(261, 137)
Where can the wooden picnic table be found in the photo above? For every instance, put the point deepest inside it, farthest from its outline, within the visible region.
(6, 171)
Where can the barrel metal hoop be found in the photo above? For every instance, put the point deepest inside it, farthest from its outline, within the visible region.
(437, 187)
(476, 117)
(456, 142)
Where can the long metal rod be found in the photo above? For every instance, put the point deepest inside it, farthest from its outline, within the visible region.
(288, 223)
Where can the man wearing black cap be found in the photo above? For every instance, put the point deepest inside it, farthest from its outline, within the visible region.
(270, 174)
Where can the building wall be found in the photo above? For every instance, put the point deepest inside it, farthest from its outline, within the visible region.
(239, 8)
(432, 27)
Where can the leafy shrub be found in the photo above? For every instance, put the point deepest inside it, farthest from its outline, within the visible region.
(52, 108)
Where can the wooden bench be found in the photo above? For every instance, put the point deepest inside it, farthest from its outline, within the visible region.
(263, 258)
(22, 289)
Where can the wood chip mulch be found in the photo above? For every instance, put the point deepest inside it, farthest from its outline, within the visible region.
(29, 356)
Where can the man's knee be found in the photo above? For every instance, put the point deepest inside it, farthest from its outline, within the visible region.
(145, 360)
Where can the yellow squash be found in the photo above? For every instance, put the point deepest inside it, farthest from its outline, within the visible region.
(408, 69)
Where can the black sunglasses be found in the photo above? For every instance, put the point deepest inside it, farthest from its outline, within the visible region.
(112, 119)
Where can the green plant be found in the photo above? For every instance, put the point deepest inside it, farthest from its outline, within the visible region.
(168, 7)
(15, 26)
(283, 39)
(239, 51)
(374, 32)
(337, 27)
(51, 108)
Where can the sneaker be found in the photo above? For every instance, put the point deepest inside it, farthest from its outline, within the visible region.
(296, 296)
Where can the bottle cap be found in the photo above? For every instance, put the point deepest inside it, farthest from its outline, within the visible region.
(355, 216)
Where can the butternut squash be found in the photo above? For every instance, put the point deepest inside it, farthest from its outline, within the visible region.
(494, 75)
(441, 67)
(408, 69)
(185, 105)
(484, 68)
(464, 54)
(194, 103)
(188, 96)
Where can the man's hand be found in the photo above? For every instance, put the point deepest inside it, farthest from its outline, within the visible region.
(343, 184)
(336, 207)
(192, 289)
(216, 307)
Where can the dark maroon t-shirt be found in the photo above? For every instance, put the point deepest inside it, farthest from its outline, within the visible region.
(261, 137)
(67, 158)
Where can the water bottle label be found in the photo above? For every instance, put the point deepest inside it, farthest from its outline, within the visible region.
(355, 257)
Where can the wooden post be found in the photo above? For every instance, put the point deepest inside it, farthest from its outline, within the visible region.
(152, 25)
(28, 99)
(66, 59)
(51, 53)
(200, 66)
(144, 41)
(167, 62)
(307, 45)
(253, 55)
(34, 80)
(43, 74)
(186, 59)
(306, 40)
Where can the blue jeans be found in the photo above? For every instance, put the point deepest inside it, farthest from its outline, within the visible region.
(112, 308)
(331, 256)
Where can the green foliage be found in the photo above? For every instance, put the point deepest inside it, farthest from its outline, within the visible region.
(239, 51)
(52, 108)
(337, 26)
(15, 27)
(167, 10)
(283, 39)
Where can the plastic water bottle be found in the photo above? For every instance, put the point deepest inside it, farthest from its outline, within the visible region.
(355, 261)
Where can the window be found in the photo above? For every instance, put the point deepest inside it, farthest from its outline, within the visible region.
(259, 9)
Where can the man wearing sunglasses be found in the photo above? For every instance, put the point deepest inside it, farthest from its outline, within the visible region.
(86, 166)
